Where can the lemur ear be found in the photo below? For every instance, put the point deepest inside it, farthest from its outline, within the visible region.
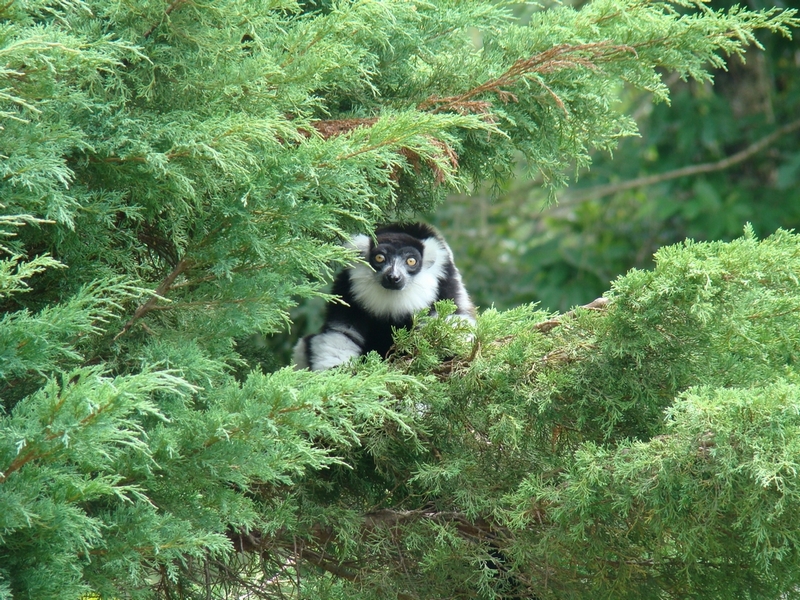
(435, 250)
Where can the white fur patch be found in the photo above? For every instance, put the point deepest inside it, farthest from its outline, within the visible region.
(350, 331)
(299, 355)
(361, 243)
(419, 293)
(331, 349)
(462, 300)
(468, 318)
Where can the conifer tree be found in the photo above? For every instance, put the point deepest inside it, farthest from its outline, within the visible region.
(176, 176)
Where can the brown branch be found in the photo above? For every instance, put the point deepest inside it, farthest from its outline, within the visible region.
(204, 303)
(19, 462)
(136, 159)
(547, 326)
(173, 5)
(448, 368)
(117, 159)
(34, 454)
(476, 530)
(773, 315)
(162, 289)
(557, 58)
(720, 165)
(6, 6)
(334, 127)
(328, 563)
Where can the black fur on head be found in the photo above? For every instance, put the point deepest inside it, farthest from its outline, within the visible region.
(419, 231)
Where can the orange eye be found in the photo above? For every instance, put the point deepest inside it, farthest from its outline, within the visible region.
(411, 262)
(379, 258)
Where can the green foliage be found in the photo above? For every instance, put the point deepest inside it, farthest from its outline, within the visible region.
(176, 177)
(644, 451)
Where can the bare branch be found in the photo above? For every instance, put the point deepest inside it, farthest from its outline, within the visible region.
(605, 190)
(173, 5)
(547, 326)
(162, 289)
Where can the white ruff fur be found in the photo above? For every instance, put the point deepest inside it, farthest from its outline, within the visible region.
(419, 293)
(299, 355)
(331, 349)
(463, 302)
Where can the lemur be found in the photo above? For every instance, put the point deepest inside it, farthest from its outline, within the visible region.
(408, 268)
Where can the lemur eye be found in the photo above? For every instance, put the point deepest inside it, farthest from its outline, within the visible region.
(379, 258)
(411, 261)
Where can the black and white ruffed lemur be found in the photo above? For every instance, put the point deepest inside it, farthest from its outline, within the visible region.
(408, 268)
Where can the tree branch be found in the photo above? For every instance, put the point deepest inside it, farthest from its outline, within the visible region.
(314, 550)
(547, 326)
(605, 190)
(162, 289)
(173, 5)
(563, 56)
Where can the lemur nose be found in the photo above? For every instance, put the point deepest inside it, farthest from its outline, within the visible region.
(393, 277)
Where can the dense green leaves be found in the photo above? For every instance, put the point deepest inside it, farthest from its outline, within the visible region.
(643, 451)
(176, 176)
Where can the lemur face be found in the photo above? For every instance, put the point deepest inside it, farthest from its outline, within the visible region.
(396, 258)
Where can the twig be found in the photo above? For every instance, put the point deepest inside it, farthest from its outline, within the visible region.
(474, 529)
(6, 6)
(605, 190)
(175, 4)
(333, 127)
(326, 562)
(564, 56)
(547, 326)
(207, 577)
(162, 289)
(336, 127)
(33, 454)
